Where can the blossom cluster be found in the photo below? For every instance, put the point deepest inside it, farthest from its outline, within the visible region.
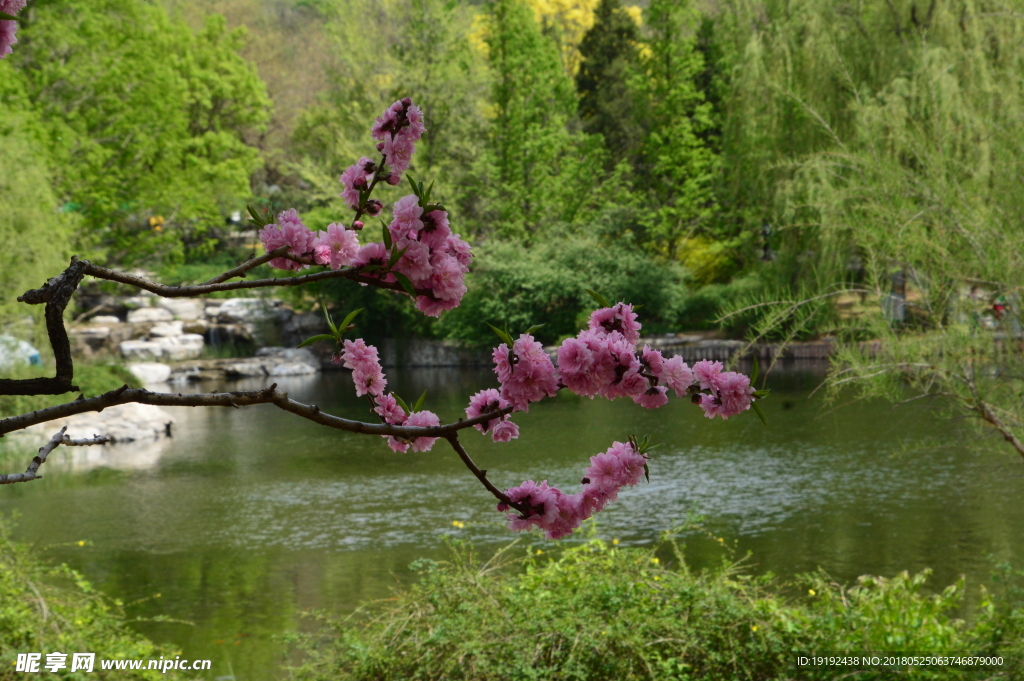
(432, 256)
(369, 379)
(433, 261)
(336, 247)
(486, 402)
(397, 131)
(8, 28)
(558, 513)
(602, 360)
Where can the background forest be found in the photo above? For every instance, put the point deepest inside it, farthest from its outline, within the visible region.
(787, 164)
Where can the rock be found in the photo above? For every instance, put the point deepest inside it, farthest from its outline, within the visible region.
(141, 350)
(289, 354)
(105, 319)
(172, 348)
(212, 311)
(238, 310)
(185, 346)
(185, 309)
(166, 329)
(121, 423)
(149, 314)
(243, 369)
(196, 326)
(150, 372)
(135, 302)
(291, 369)
(91, 332)
(14, 351)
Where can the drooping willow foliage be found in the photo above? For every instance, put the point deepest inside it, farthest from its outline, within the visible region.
(887, 141)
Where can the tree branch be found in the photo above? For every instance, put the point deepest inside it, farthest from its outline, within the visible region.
(56, 294)
(271, 395)
(481, 475)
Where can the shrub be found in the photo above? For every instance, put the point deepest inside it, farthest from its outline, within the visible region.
(600, 612)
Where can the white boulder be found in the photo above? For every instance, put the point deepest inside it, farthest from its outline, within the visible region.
(149, 314)
(242, 310)
(291, 369)
(105, 319)
(166, 329)
(185, 309)
(150, 372)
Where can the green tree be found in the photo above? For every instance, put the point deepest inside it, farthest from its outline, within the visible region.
(536, 171)
(677, 166)
(145, 119)
(609, 56)
(37, 238)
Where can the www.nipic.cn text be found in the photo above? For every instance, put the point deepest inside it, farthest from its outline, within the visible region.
(86, 662)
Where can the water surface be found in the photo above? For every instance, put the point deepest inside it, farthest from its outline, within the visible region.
(246, 518)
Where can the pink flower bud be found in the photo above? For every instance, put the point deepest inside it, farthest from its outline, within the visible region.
(374, 207)
(359, 183)
(393, 179)
(358, 225)
(380, 146)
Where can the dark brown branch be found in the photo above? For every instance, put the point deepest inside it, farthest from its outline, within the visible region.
(202, 289)
(481, 475)
(271, 395)
(37, 461)
(56, 294)
(247, 265)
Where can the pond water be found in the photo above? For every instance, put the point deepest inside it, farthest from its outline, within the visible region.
(247, 518)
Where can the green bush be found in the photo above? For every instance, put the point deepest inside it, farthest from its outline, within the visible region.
(49, 609)
(601, 612)
(545, 284)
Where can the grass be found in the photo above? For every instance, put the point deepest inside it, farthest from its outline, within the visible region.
(92, 377)
(46, 608)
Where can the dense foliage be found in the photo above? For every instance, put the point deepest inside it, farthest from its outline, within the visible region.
(602, 612)
(849, 168)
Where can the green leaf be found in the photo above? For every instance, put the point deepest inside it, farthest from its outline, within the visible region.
(257, 219)
(402, 404)
(755, 372)
(8, 17)
(348, 319)
(760, 414)
(419, 402)
(426, 197)
(637, 307)
(330, 320)
(761, 394)
(316, 339)
(647, 472)
(502, 335)
(406, 284)
(601, 300)
(396, 256)
(387, 235)
(534, 328)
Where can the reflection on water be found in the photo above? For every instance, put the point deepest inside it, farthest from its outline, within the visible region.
(248, 517)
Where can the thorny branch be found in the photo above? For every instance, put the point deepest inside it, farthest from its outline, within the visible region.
(56, 294)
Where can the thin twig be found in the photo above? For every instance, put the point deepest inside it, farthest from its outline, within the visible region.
(37, 461)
